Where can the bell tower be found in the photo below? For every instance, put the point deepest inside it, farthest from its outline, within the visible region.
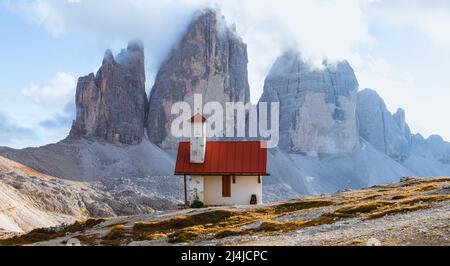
(198, 139)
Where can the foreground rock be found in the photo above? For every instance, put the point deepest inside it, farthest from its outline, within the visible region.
(29, 199)
(412, 212)
(136, 178)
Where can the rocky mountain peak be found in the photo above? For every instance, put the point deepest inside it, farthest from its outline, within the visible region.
(386, 132)
(111, 105)
(400, 118)
(108, 57)
(210, 60)
(317, 105)
(400, 113)
(136, 46)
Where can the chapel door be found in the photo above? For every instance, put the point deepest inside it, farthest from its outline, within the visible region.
(226, 186)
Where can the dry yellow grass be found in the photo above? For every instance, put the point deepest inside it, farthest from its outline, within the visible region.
(396, 210)
(154, 236)
(365, 204)
(368, 204)
(420, 199)
(117, 235)
(300, 205)
(188, 228)
(275, 226)
(219, 223)
(228, 232)
(187, 234)
(42, 234)
(358, 208)
(89, 240)
(371, 203)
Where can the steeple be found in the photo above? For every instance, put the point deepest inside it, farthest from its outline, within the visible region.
(198, 138)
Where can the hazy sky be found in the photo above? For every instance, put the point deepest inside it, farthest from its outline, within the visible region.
(401, 48)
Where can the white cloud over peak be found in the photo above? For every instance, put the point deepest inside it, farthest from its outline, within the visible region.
(318, 29)
(334, 29)
(330, 28)
(109, 23)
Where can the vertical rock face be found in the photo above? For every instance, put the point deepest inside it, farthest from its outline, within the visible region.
(111, 105)
(434, 147)
(317, 106)
(400, 119)
(210, 60)
(388, 133)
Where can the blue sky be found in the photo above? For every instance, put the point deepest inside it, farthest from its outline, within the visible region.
(399, 48)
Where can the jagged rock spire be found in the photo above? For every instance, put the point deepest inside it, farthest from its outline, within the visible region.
(388, 133)
(111, 105)
(210, 60)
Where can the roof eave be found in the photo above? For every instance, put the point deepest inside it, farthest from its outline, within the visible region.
(219, 174)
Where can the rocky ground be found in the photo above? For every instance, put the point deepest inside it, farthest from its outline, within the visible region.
(30, 199)
(426, 227)
(412, 212)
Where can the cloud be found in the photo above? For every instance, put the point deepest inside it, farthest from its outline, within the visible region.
(45, 110)
(329, 28)
(57, 92)
(430, 17)
(379, 74)
(318, 29)
(10, 132)
(61, 120)
(109, 23)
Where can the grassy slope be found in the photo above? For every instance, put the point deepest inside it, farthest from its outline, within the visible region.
(200, 226)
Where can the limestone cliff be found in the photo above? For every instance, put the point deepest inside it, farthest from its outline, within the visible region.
(317, 106)
(111, 105)
(388, 133)
(211, 59)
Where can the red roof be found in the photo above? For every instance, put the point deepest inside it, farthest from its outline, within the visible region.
(225, 158)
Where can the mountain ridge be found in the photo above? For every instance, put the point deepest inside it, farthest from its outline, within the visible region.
(333, 136)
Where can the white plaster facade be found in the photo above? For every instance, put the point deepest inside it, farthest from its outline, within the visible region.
(209, 190)
(196, 188)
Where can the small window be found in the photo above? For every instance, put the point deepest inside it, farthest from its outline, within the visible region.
(226, 186)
